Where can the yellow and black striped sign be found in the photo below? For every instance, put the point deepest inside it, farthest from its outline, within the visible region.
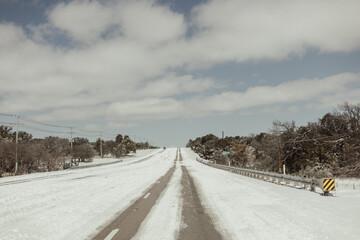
(328, 184)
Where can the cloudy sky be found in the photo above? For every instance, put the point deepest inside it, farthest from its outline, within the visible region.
(171, 70)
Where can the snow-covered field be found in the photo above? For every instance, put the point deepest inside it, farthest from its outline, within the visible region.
(246, 208)
(130, 157)
(347, 184)
(74, 204)
(139, 155)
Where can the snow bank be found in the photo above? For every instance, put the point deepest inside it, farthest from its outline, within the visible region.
(76, 203)
(164, 218)
(130, 157)
(246, 208)
(347, 184)
(138, 156)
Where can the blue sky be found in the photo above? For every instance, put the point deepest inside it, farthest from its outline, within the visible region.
(171, 70)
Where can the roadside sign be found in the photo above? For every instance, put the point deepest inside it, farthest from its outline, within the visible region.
(328, 184)
(225, 153)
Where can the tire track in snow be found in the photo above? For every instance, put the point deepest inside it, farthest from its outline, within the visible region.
(196, 223)
(127, 224)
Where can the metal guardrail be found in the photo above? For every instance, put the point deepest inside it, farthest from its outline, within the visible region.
(287, 180)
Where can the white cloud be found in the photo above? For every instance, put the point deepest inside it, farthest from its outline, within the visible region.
(145, 109)
(332, 100)
(146, 22)
(11, 34)
(315, 91)
(133, 74)
(171, 85)
(84, 20)
(121, 125)
(73, 113)
(141, 21)
(302, 90)
(92, 127)
(243, 30)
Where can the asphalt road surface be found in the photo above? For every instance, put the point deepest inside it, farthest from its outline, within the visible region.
(169, 195)
(197, 224)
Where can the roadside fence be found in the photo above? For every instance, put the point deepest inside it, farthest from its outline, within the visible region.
(286, 180)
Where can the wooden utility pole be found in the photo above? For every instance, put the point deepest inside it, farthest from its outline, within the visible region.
(71, 138)
(16, 146)
(101, 153)
(280, 164)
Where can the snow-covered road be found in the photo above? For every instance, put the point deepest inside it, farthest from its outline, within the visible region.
(74, 205)
(77, 205)
(247, 208)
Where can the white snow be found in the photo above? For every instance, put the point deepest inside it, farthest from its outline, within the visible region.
(129, 157)
(347, 184)
(164, 219)
(138, 156)
(75, 204)
(246, 208)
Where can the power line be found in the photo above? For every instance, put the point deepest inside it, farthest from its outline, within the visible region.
(43, 130)
(72, 131)
(8, 115)
(8, 123)
(43, 123)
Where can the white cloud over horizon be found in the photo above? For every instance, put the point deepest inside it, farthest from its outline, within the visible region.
(134, 60)
(316, 93)
(82, 20)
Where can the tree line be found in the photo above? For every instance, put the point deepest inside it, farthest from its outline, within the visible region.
(327, 147)
(54, 153)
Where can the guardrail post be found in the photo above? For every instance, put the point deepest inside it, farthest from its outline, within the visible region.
(287, 180)
(312, 186)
